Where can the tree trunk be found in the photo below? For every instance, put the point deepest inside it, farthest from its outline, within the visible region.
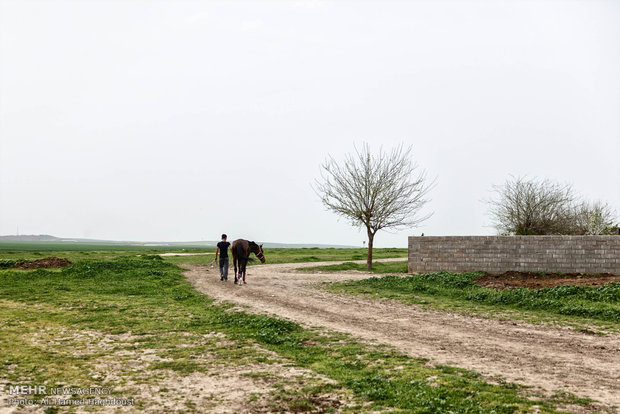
(371, 238)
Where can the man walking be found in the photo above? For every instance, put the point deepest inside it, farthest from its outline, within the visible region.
(222, 248)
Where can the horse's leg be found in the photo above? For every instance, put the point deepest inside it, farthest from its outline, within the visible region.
(247, 254)
(238, 269)
(242, 261)
(234, 255)
(241, 266)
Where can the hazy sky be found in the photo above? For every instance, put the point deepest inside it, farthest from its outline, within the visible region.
(180, 120)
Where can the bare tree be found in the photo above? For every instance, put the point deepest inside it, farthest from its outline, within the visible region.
(594, 218)
(535, 207)
(531, 207)
(382, 191)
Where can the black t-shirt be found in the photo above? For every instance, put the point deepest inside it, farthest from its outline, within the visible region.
(223, 245)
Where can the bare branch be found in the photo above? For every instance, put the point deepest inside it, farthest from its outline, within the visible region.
(536, 207)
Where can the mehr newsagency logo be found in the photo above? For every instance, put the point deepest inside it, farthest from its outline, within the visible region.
(41, 395)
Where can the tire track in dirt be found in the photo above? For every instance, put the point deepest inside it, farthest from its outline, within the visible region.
(553, 359)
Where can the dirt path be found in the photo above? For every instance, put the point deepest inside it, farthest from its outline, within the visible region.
(550, 358)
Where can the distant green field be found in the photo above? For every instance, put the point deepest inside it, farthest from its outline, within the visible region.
(328, 254)
(79, 252)
(32, 246)
(303, 255)
(17, 250)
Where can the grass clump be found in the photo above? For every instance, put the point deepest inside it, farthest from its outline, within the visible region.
(8, 263)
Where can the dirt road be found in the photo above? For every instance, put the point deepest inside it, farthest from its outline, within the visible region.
(549, 358)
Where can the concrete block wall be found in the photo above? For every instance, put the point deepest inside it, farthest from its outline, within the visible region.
(496, 254)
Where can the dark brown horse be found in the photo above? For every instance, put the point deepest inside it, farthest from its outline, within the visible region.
(241, 250)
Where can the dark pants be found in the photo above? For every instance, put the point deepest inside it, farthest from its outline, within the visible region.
(224, 268)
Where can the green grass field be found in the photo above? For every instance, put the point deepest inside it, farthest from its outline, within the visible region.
(56, 246)
(572, 305)
(70, 326)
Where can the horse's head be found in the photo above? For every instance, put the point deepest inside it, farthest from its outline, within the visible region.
(257, 249)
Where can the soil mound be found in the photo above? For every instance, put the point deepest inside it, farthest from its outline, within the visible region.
(533, 280)
(44, 263)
